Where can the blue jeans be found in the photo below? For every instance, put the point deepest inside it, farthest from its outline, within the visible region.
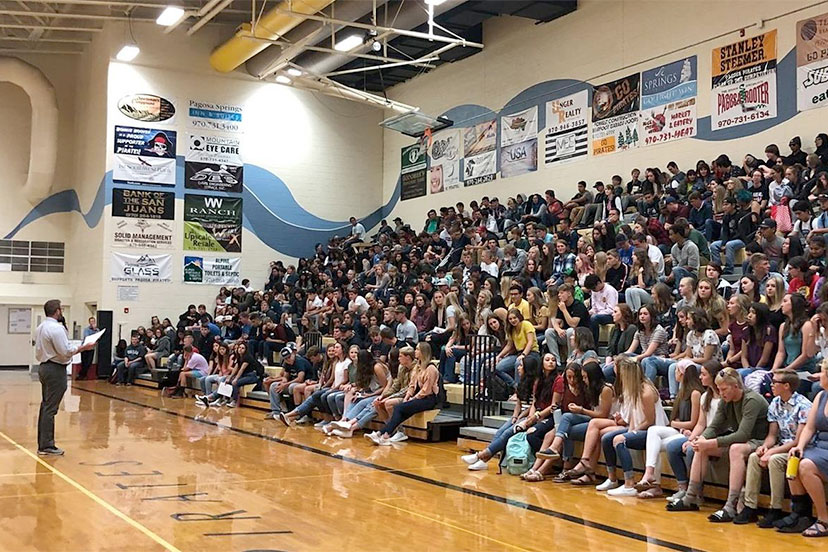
(595, 323)
(207, 383)
(679, 273)
(731, 248)
(635, 440)
(679, 460)
(571, 428)
(501, 437)
(362, 411)
(336, 402)
(609, 450)
(448, 364)
(654, 366)
(314, 401)
(506, 370)
(244, 379)
(711, 229)
(275, 399)
(744, 372)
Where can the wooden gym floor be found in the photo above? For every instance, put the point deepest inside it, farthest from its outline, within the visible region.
(143, 472)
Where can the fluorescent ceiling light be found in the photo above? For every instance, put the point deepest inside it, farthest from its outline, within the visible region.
(127, 53)
(170, 16)
(294, 72)
(348, 43)
(281, 79)
(434, 2)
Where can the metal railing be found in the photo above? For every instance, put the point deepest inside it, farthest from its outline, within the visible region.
(310, 339)
(479, 378)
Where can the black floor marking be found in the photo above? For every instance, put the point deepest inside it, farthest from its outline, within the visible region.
(356, 461)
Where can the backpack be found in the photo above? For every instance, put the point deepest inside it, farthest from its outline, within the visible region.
(518, 456)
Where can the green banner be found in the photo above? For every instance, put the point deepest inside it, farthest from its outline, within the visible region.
(413, 177)
(212, 223)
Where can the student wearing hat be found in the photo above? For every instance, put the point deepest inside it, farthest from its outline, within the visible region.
(803, 224)
(820, 224)
(297, 369)
(797, 156)
(738, 229)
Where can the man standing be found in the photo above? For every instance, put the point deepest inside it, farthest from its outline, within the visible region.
(88, 356)
(53, 352)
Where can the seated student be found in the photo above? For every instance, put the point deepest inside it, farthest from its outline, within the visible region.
(683, 418)
(133, 363)
(219, 369)
(528, 391)
(161, 349)
(394, 394)
(247, 370)
(372, 379)
(422, 395)
(335, 399)
(812, 447)
(455, 349)
(701, 344)
(521, 342)
(337, 378)
(787, 414)
(622, 337)
(760, 342)
(583, 347)
(653, 343)
(296, 369)
(603, 299)
(741, 408)
(797, 342)
(737, 331)
(406, 331)
(194, 365)
(570, 315)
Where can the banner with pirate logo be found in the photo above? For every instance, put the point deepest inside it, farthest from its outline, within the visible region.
(413, 162)
(212, 223)
(668, 102)
(143, 219)
(444, 161)
(615, 115)
(744, 82)
(519, 158)
(566, 128)
(218, 271)
(812, 62)
(140, 268)
(213, 163)
(144, 156)
(519, 127)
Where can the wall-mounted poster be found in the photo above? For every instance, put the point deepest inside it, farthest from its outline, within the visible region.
(519, 127)
(668, 102)
(519, 158)
(143, 218)
(444, 161)
(212, 223)
(480, 153)
(213, 116)
(566, 127)
(615, 115)
(20, 320)
(218, 271)
(147, 108)
(413, 162)
(140, 268)
(744, 82)
(812, 62)
(144, 156)
(213, 163)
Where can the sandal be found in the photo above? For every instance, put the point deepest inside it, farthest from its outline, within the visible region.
(584, 480)
(653, 492)
(526, 474)
(720, 516)
(562, 477)
(644, 485)
(534, 476)
(818, 529)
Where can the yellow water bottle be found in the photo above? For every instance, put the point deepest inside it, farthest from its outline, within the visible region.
(793, 466)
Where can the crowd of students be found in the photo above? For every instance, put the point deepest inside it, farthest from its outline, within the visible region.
(693, 349)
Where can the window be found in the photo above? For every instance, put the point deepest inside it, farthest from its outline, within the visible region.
(36, 256)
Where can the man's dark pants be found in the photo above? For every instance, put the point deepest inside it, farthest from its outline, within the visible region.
(53, 386)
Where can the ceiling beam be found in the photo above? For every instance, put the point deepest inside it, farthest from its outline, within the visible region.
(24, 13)
(49, 27)
(46, 39)
(38, 51)
(107, 4)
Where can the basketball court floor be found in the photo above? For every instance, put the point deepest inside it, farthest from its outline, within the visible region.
(143, 472)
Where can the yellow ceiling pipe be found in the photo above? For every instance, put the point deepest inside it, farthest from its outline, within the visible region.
(270, 26)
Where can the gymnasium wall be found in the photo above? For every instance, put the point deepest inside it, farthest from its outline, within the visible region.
(524, 64)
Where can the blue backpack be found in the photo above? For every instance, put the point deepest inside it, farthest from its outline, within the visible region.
(518, 456)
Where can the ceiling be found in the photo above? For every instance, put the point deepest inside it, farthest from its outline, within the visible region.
(465, 20)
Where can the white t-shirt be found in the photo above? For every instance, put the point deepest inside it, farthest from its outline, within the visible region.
(358, 230)
(341, 372)
(656, 257)
(490, 268)
(697, 344)
(358, 305)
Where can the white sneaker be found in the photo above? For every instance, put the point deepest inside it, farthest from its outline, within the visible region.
(480, 465)
(341, 424)
(317, 425)
(371, 435)
(398, 437)
(384, 442)
(470, 458)
(231, 404)
(623, 490)
(328, 429)
(607, 485)
(345, 434)
(323, 428)
(217, 402)
(304, 420)
(376, 438)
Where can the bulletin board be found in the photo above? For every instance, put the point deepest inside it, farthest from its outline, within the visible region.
(20, 321)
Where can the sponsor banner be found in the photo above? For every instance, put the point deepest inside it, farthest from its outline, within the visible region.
(214, 116)
(212, 223)
(744, 82)
(213, 163)
(519, 158)
(147, 108)
(480, 138)
(143, 204)
(140, 268)
(218, 271)
(668, 102)
(444, 159)
(144, 155)
(141, 233)
(480, 168)
(616, 98)
(413, 162)
(519, 127)
(566, 128)
(812, 63)
(615, 134)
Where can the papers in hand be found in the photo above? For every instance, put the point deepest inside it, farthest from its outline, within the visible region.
(93, 338)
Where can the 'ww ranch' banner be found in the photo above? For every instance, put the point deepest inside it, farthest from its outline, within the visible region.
(413, 174)
(668, 102)
(220, 271)
(812, 63)
(213, 163)
(212, 223)
(143, 218)
(144, 156)
(615, 115)
(744, 82)
(566, 127)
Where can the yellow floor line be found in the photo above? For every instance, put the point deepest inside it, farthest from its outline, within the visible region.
(452, 525)
(101, 502)
(17, 474)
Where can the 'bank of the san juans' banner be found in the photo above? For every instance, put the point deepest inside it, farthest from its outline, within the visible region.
(744, 82)
(615, 115)
(213, 163)
(480, 153)
(143, 219)
(567, 135)
(812, 62)
(444, 160)
(413, 173)
(212, 223)
(144, 156)
(218, 271)
(519, 142)
(668, 102)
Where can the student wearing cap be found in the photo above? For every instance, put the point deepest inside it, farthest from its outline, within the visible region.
(797, 156)
(738, 229)
(296, 369)
(820, 224)
(625, 249)
(595, 209)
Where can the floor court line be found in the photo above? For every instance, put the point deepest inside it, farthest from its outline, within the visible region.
(413, 476)
(89, 494)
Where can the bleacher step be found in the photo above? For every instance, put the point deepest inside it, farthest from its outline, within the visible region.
(495, 421)
(478, 432)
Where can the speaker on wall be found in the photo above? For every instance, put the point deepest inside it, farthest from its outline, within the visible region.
(105, 344)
